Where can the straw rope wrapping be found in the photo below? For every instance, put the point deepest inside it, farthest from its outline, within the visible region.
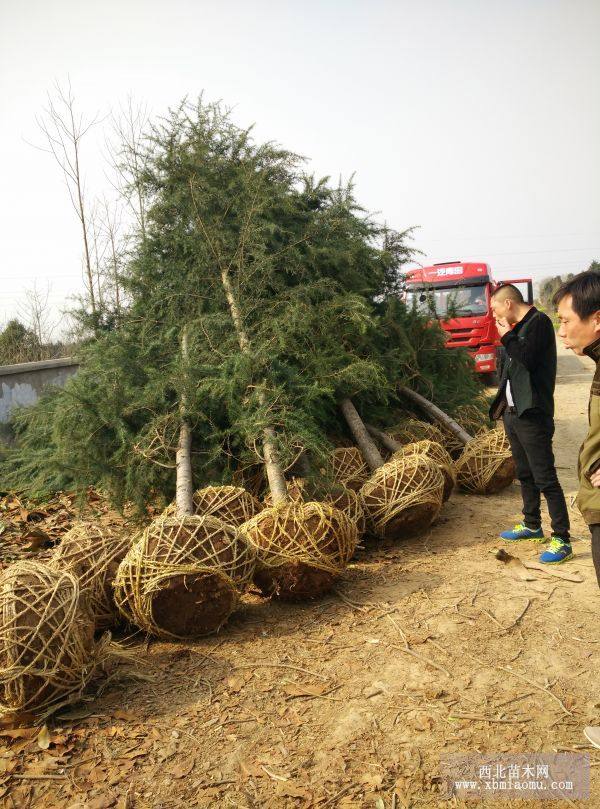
(453, 445)
(471, 418)
(184, 576)
(349, 467)
(339, 496)
(438, 454)
(252, 478)
(47, 650)
(486, 465)
(403, 496)
(414, 430)
(296, 492)
(232, 504)
(93, 553)
(301, 548)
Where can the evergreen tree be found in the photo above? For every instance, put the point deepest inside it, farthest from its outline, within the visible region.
(18, 344)
(288, 295)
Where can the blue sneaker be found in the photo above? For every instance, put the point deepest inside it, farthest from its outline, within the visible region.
(521, 533)
(558, 551)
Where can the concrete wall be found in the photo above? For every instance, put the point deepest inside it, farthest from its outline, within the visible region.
(22, 384)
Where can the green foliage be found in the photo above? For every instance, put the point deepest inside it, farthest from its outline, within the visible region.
(316, 284)
(18, 344)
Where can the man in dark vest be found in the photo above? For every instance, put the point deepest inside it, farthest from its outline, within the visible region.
(525, 402)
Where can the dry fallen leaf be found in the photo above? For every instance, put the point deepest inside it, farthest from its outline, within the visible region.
(182, 770)
(125, 715)
(235, 684)
(300, 690)
(101, 802)
(251, 770)
(19, 733)
(43, 739)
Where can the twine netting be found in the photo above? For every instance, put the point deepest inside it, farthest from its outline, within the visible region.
(486, 465)
(252, 478)
(93, 553)
(184, 576)
(301, 548)
(473, 418)
(403, 496)
(339, 496)
(232, 504)
(414, 430)
(453, 445)
(296, 492)
(438, 454)
(348, 501)
(47, 650)
(349, 467)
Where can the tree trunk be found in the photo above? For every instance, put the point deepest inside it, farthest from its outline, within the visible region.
(183, 458)
(366, 445)
(183, 461)
(437, 414)
(385, 440)
(82, 219)
(275, 476)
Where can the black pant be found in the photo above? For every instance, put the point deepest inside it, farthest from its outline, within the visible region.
(595, 529)
(530, 437)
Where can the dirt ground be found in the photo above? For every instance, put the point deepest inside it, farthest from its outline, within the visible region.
(427, 648)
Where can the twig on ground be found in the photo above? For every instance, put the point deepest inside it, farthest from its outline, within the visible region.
(337, 795)
(279, 666)
(360, 607)
(525, 680)
(514, 699)
(520, 615)
(478, 718)
(49, 777)
(423, 659)
(491, 617)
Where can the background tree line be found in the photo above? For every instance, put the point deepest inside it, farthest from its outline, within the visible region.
(548, 286)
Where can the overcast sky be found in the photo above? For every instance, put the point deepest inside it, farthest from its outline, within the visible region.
(478, 122)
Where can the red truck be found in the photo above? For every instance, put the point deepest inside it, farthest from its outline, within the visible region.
(458, 294)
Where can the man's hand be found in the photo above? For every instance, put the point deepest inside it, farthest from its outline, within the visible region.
(595, 479)
(502, 326)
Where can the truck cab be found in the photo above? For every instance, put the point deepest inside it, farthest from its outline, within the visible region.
(458, 295)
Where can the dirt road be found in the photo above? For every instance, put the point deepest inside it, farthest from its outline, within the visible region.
(429, 647)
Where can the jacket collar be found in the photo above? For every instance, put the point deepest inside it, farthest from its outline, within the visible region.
(593, 350)
(527, 316)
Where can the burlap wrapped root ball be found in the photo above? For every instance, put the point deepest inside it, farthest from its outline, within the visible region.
(349, 467)
(486, 465)
(301, 548)
(232, 504)
(47, 649)
(403, 497)
(93, 553)
(340, 497)
(439, 455)
(184, 576)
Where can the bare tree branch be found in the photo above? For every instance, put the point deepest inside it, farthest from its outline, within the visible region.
(63, 130)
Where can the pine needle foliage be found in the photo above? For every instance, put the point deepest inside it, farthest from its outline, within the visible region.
(316, 283)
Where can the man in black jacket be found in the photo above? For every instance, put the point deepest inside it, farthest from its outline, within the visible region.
(525, 401)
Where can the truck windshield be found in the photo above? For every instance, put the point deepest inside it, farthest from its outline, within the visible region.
(448, 302)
